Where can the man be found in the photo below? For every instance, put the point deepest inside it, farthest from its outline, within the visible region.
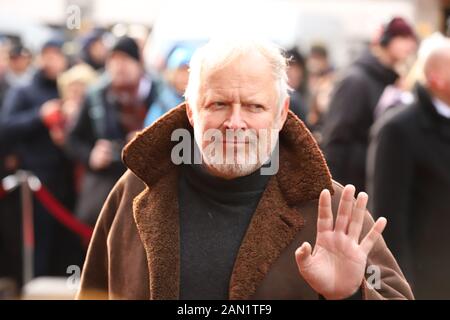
(351, 111)
(20, 70)
(25, 121)
(409, 178)
(112, 113)
(216, 229)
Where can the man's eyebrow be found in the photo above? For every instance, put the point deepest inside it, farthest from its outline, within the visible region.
(215, 96)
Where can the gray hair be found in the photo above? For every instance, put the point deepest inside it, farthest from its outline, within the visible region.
(219, 52)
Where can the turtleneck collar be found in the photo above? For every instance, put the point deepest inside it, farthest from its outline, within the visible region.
(200, 178)
(237, 189)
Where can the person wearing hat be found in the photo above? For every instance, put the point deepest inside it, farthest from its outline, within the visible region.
(113, 110)
(172, 90)
(19, 66)
(93, 50)
(26, 119)
(352, 105)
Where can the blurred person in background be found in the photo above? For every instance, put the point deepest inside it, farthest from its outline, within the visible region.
(10, 218)
(73, 85)
(112, 112)
(172, 89)
(352, 105)
(318, 64)
(321, 83)
(4, 57)
(93, 50)
(409, 179)
(27, 116)
(297, 76)
(20, 70)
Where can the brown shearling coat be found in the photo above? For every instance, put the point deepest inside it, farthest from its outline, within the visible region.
(134, 252)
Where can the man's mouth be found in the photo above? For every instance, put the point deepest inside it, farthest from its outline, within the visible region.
(234, 142)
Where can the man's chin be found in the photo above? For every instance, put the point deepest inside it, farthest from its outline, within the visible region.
(231, 171)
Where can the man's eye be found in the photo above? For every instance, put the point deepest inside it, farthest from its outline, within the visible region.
(218, 105)
(255, 107)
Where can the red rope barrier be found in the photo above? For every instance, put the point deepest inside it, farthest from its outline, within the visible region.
(62, 214)
(2, 191)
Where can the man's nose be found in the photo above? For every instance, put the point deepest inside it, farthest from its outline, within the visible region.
(235, 119)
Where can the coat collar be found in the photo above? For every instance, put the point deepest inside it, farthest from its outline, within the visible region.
(429, 118)
(301, 177)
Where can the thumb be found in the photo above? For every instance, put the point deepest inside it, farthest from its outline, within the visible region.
(303, 255)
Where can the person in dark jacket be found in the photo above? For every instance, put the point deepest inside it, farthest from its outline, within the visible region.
(409, 180)
(350, 116)
(113, 111)
(24, 121)
(297, 79)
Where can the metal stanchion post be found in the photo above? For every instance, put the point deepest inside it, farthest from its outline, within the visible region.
(27, 226)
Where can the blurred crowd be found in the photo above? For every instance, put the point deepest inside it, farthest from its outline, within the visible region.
(383, 124)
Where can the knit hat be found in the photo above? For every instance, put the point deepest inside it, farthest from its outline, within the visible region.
(128, 46)
(397, 27)
(179, 56)
(56, 43)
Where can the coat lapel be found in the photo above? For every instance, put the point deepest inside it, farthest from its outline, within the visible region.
(273, 226)
(157, 219)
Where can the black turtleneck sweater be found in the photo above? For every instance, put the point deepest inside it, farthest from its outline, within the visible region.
(214, 216)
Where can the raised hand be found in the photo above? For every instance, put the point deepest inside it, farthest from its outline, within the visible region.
(336, 267)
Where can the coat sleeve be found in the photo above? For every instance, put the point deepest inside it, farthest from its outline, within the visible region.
(81, 137)
(383, 277)
(95, 276)
(389, 172)
(343, 127)
(20, 119)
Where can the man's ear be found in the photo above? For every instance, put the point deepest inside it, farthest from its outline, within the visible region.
(284, 111)
(189, 113)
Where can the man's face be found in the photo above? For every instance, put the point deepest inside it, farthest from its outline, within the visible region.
(401, 48)
(179, 78)
(440, 80)
(239, 100)
(295, 74)
(124, 70)
(98, 51)
(20, 64)
(53, 62)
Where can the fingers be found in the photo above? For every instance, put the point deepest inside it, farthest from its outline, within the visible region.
(345, 209)
(303, 255)
(325, 215)
(357, 219)
(374, 234)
